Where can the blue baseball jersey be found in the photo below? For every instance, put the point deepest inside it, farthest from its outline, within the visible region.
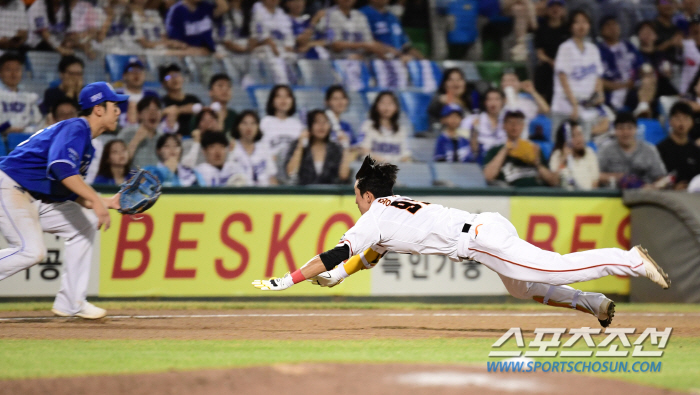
(50, 155)
(192, 27)
(465, 14)
(385, 27)
(448, 149)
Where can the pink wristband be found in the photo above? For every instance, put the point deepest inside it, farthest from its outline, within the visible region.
(297, 277)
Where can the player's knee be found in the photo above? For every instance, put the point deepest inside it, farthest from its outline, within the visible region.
(35, 254)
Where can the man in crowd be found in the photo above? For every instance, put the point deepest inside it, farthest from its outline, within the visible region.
(192, 22)
(14, 24)
(141, 139)
(620, 62)
(133, 78)
(387, 29)
(176, 100)
(19, 111)
(70, 70)
(518, 162)
(216, 170)
(349, 33)
(220, 92)
(679, 154)
(64, 109)
(626, 162)
(669, 37)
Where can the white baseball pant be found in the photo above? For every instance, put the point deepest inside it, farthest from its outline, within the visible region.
(23, 219)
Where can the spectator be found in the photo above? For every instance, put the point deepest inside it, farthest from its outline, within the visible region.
(230, 30)
(220, 92)
(678, 152)
(522, 96)
(518, 162)
(487, 126)
(349, 33)
(572, 160)
(169, 171)
(13, 24)
(70, 70)
(669, 39)
(191, 22)
(115, 164)
(462, 29)
(148, 32)
(310, 42)
(64, 109)
(280, 126)
(337, 102)
(621, 62)
(19, 110)
(272, 30)
(551, 33)
(176, 100)
(387, 29)
(63, 26)
(578, 88)
(626, 162)
(133, 78)
(691, 56)
(453, 89)
(141, 138)
(693, 101)
(116, 19)
(682, 18)
(251, 156)
(524, 20)
(450, 146)
(314, 159)
(385, 139)
(216, 170)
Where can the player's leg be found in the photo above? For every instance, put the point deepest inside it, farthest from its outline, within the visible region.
(78, 228)
(495, 243)
(563, 296)
(19, 223)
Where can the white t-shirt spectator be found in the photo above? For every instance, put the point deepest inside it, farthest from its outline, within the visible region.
(340, 27)
(13, 18)
(488, 135)
(279, 133)
(83, 17)
(257, 168)
(148, 26)
(583, 171)
(389, 145)
(691, 64)
(213, 176)
(582, 69)
(20, 110)
(276, 25)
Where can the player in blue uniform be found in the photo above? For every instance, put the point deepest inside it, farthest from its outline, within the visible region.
(42, 190)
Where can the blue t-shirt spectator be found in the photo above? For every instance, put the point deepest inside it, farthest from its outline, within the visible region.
(191, 27)
(386, 28)
(448, 149)
(464, 26)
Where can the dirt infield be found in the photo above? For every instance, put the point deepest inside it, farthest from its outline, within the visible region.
(338, 379)
(320, 324)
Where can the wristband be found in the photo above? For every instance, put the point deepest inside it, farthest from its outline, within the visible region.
(297, 277)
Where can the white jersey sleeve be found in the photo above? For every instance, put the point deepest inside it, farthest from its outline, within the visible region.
(362, 236)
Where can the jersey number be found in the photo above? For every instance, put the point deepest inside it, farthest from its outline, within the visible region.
(409, 205)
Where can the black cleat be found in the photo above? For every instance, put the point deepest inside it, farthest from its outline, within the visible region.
(609, 313)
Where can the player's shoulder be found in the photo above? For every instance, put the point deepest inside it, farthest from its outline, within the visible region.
(73, 125)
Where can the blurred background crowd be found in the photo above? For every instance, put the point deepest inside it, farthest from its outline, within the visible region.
(574, 94)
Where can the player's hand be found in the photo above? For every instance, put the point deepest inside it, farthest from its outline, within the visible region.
(102, 214)
(326, 279)
(274, 284)
(113, 202)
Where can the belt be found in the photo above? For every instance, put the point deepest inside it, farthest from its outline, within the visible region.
(466, 227)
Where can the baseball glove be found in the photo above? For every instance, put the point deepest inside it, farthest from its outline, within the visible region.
(139, 193)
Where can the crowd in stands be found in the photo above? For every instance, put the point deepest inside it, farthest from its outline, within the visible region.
(606, 78)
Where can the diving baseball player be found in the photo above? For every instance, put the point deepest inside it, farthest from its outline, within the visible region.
(42, 190)
(395, 223)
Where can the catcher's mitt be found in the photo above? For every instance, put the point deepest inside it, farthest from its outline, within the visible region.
(139, 193)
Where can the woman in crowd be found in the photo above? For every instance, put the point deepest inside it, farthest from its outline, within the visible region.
(487, 126)
(453, 89)
(578, 87)
(230, 34)
(254, 164)
(337, 103)
(169, 170)
(385, 139)
(207, 120)
(314, 159)
(574, 161)
(115, 164)
(281, 126)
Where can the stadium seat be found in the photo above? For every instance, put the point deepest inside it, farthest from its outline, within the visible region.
(541, 128)
(308, 99)
(317, 73)
(279, 71)
(234, 68)
(258, 95)
(468, 68)
(425, 74)
(415, 175)
(416, 106)
(651, 130)
(3, 149)
(43, 65)
(95, 69)
(462, 175)
(202, 68)
(422, 149)
(198, 90)
(353, 74)
(593, 146)
(14, 139)
(240, 99)
(546, 147)
(390, 74)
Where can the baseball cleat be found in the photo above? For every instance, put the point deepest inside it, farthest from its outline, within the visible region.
(654, 272)
(606, 313)
(89, 312)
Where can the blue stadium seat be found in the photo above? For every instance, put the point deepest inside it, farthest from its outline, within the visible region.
(416, 106)
(415, 175)
(593, 146)
(390, 74)
(463, 175)
(652, 130)
(14, 139)
(425, 74)
(115, 65)
(422, 149)
(95, 70)
(240, 99)
(43, 65)
(202, 68)
(3, 149)
(198, 90)
(541, 128)
(546, 147)
(353, 74)
(317, 73)
(258, 96)
(234, 68)
(308, 99)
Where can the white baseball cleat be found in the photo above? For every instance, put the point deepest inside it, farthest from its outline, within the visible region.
(654, 272)
(89, 311)
(606, 312)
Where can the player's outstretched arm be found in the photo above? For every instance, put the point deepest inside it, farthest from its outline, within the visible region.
(364, 260)
(88, 197)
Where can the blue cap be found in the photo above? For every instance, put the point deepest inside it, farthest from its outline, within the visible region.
(134, 61)
(98, 92)
(557, 2)
(448, 109)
